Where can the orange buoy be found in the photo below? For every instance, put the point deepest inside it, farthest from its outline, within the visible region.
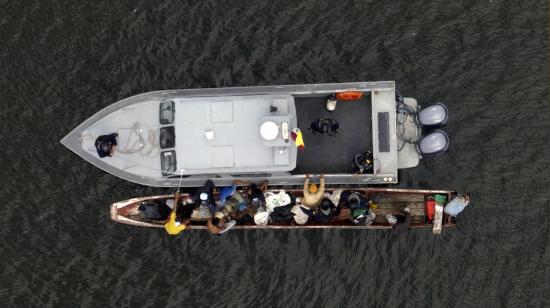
(349, 95)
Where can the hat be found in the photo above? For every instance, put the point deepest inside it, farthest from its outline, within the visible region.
(313, 188)
(299, 216)
(261, 218)
(275, 200)
(219, 215)
(204, 196)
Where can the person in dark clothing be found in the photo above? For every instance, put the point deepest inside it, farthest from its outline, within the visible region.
(205, 194)
(401, 223)
(282, 213)
(326, 212)
(255, 197)
(257, 191)
(325, 126)
(185, 211)
(106, 145)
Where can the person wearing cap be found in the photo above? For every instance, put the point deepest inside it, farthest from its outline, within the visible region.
(217, 225)
(105, 145)
(327, 211)
(175, 226)
(312, 193)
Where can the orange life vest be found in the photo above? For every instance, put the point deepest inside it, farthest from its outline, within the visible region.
(349, 95)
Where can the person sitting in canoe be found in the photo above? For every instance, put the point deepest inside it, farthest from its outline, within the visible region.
(312, 193)
(236, 207)
(242, 206)
(205, 195)
(106, 145)
(176, 225)
(218, 224)
(327, 211)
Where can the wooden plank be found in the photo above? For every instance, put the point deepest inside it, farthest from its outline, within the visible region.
(417, 208)
(438, 219)
(401, 204)
(383, 212)
(399, 197)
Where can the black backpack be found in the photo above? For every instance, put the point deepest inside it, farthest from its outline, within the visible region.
(363, 163)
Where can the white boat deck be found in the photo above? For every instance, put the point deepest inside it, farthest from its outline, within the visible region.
(235, 121)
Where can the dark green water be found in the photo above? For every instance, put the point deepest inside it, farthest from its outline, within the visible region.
(60, 62)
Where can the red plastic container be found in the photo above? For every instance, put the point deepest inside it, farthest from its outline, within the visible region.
(430, 208)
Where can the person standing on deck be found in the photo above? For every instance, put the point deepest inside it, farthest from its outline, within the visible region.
(312, 193)
(173, 226)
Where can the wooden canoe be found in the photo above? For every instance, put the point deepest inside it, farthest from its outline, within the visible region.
(392, 202)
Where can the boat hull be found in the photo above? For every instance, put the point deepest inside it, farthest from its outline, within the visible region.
(383, 97)
(126, 212)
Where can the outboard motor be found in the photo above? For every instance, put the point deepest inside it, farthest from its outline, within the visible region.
(435, 142)
(434, 115)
